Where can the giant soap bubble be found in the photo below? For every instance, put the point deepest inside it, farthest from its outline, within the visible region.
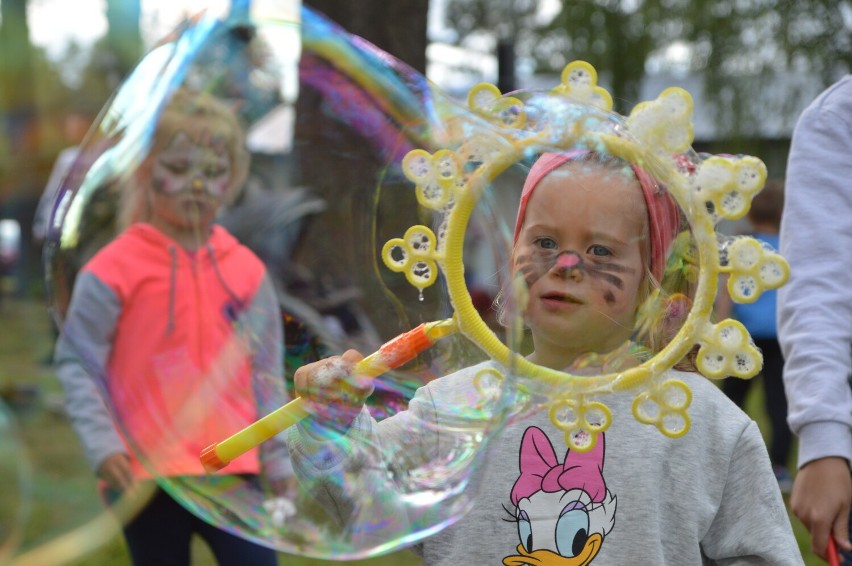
(362, 200)
(14, 477)
(324, 190)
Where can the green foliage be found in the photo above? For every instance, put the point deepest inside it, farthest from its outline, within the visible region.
(506, 19)
(741, 47)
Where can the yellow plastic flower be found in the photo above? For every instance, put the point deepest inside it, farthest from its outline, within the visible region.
(665, 406)
(414, 254)
(726, 350)
(753, 270)
(580, 82)
(581, 421)
(729, 183)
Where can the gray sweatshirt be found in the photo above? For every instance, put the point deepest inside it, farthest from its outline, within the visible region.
(638, 497)
(815, 306)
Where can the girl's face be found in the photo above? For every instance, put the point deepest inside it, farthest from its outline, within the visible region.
(582, 253)
(188, 180)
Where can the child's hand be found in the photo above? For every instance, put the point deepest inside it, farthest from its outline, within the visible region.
(822, 492)
(334, 393)
(115, 470)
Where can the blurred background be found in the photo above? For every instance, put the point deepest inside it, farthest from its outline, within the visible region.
(751, 65)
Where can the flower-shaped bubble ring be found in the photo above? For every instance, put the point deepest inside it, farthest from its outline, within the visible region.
(581, 421)
(665, 406)
(649, 137)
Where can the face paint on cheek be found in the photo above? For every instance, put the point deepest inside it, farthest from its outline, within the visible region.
(535, 265)
(217, 187)
(162, 184)
(607, 272)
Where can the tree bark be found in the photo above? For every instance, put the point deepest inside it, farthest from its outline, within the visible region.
(398, 27)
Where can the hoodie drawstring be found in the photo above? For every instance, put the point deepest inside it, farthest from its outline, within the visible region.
(170, 326)
(234, 297)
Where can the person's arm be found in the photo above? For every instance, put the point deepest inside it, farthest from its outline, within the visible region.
(815, 312)
(81, 357)
(264, 317)
(751, 524)
(360, 474)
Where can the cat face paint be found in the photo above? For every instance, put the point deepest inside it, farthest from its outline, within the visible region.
(186, 164)
(189, 179)
(537, 264)
(580, 251)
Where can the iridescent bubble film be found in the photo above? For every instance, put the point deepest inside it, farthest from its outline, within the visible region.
(263, 193)
(15, 479)
(296, 149)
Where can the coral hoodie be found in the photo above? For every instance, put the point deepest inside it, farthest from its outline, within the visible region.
(185, 345)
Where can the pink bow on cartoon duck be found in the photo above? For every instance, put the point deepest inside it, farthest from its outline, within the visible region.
(540, 470)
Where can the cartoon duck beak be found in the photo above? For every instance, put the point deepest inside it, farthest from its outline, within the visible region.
(550, 558)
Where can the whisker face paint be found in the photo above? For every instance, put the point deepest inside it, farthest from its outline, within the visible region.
(607, 276)
(533, 266)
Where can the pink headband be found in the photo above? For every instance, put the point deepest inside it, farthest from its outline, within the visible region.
(663, 211)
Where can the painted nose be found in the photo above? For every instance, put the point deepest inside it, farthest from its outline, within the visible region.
(570, 263)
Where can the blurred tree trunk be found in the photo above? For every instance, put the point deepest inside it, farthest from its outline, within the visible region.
(338, 163)
(17, 99)
(398, 27)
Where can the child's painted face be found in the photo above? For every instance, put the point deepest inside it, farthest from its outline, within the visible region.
(580, 251)
(189, 180)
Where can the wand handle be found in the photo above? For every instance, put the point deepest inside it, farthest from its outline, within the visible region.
(392, 354)
(833, 558)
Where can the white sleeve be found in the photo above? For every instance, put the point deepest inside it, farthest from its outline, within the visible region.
(815, 306)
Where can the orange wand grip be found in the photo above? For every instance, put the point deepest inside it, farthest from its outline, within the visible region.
(395, 352)
(392, 354)
(833, 556)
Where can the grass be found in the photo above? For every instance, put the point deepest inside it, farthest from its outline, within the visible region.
(63, 490)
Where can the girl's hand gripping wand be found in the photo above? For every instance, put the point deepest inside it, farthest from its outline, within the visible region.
(392, 354)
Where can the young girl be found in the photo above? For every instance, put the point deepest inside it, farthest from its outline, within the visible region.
(591, 240)
(174, 326)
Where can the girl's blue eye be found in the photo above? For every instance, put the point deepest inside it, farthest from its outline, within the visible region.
(546, 243)
(598, 250)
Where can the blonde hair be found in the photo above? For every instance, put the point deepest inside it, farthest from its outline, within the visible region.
(197, 114)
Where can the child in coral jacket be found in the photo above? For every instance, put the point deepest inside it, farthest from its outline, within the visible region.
(172, 337)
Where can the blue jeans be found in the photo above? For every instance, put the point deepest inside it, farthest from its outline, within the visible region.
(160, 536)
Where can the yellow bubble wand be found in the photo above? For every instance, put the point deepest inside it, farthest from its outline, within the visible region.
(577, 114)
(392, 354)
